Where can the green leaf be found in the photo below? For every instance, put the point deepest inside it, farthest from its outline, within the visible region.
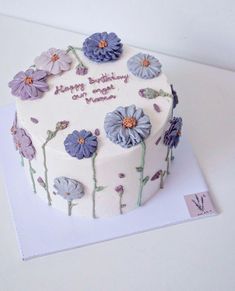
(145, 180)
(139, 169)
(33, 171)
(100, 188)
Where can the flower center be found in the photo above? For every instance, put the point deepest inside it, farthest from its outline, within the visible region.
(67, 193)
(18, 145)
(179, 133)
(28, 80)
(146, 63)
(54, 57)
(102, 43)
(81, 140)
(129, 122)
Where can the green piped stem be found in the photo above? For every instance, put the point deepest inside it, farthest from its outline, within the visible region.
(94, 185)
(50, 137)
(162, 181)
(168, 161)
(31, 171)
(142, 163)
(73, 50)
(120, 203)
(70, 206)
(22, 160)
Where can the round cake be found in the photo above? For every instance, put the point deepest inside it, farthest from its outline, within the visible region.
(94, 126)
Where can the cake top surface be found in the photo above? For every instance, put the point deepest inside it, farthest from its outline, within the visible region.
(87, 87)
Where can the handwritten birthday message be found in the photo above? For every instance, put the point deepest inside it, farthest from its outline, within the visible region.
(102, 93)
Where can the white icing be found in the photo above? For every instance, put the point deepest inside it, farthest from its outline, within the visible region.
(111, 159)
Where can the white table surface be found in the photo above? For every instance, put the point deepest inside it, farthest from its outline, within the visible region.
(196, 256)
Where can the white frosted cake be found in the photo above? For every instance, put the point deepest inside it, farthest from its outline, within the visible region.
(94, 126)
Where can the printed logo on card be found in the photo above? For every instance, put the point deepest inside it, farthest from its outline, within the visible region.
(199, 204)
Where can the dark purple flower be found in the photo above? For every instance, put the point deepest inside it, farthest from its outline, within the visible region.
(41, 182)
(102, 47)
(29, 84)
(119, 189)
(81, 70)
(172, 135)
(61, 125)
(24, 144)
(156, 175)
(34, 120)
(81, 144)
(121, 175)
(97, 132)
(156, 107)
(175, 97)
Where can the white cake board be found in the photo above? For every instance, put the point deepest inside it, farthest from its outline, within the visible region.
(42, 230)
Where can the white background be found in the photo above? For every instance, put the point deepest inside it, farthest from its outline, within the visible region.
(200, 30)
(195, 256)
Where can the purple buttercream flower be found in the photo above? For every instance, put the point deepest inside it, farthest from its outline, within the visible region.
(144, 66)
(175, 97)
(24, 144)
(54, 61)
(41, 182)
(172, 135)
(119, 189)
(102, 47)
(29, 84)
(81, 144)
(81, 70)
(127, 126)
(69, 189)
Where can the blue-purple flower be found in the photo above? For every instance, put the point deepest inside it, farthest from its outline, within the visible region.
(144, 66)
(175, 96)
(81, 144)
(102, 47)
(172, 135)
(69, 189)
(29, 85)
(127, 126)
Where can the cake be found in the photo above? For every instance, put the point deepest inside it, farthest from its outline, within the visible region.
(94, 126)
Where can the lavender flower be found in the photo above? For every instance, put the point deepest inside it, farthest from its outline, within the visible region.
(127, 126)
(69, 189)
(81, 69)
(81, 144)
(24, 144)
(144, 66)
(54, 61)
(172, 135)
(29, 85)
(102, 47)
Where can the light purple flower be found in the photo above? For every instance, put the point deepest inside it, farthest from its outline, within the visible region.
(24, 144)
(81, 70)
(81, 144)
(144, 66)
(29, 84)
(54, 61)
(69, 189)
(127, 126)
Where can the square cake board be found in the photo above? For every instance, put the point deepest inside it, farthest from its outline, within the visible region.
(42, 230)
